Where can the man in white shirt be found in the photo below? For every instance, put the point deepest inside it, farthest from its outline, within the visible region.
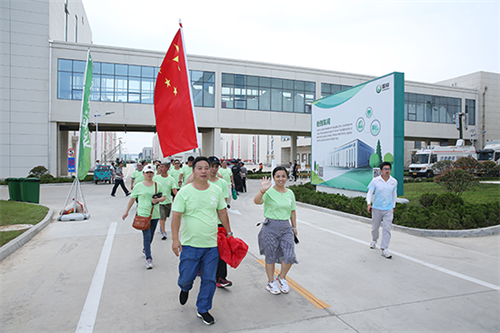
(384, 203)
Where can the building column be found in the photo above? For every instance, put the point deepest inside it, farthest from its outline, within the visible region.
(211, 143)
(53, 164)
(293, 148)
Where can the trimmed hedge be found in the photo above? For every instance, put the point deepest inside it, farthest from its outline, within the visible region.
(446, 211)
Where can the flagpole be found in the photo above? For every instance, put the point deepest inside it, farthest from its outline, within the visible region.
(189, 84)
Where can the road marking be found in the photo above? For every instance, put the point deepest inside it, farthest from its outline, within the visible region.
(89, 312)
(319, 304)
(418, 261)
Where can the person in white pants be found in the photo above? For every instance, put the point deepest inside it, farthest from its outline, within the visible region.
(384, 203)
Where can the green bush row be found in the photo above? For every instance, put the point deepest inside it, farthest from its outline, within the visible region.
(446, 211)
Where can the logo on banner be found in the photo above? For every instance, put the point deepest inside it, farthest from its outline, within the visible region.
(382, 87)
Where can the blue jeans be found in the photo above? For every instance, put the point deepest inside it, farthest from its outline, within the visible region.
(191, 260)
(147, 238)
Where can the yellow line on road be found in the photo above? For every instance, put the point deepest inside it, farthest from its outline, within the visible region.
(301, 290)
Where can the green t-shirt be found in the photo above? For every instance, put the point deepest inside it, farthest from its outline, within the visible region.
(168, 183)
(145, 197)
(138, 177)
(175, 174)
(199, 214)
(278, 206)
(226, 174)
(186, 172)
(223, 186)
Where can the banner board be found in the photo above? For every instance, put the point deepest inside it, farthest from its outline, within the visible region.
(354, 130)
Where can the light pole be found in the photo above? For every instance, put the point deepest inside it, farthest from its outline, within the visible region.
(96, 122)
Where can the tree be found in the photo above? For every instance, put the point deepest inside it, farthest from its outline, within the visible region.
(456, 180)
(379, 152)
(374, 160)
(38, 171)
(469, 164)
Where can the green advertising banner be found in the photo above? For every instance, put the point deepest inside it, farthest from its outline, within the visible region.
(354, 130)
(85, 147)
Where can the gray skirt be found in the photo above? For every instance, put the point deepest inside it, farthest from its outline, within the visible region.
(276, 242)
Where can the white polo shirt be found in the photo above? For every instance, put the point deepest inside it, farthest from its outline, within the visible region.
(385, 193)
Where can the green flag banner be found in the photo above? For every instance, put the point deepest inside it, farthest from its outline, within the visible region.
(85, 147)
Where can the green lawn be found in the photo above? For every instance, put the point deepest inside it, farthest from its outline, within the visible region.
(478, 194)
(12, 212)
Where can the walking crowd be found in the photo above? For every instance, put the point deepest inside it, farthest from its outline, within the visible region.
(197, 195)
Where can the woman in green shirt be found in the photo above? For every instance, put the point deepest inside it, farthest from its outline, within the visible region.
(144, 191)
(276, 238)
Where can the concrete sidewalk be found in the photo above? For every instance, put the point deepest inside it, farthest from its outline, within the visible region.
(93, 273)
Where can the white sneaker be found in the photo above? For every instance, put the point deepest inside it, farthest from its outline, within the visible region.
(283, 285)
(373, 244)
(149, 264)
(273, 288)
(386, 254)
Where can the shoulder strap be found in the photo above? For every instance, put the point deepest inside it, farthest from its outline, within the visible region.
(153, 206)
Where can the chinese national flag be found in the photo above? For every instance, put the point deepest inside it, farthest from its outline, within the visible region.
(174, 112)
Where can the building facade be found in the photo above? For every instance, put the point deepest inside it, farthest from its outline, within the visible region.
(258, 104)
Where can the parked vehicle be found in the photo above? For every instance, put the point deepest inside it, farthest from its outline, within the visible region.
(424, 159)
(491, 152)
(103, 173)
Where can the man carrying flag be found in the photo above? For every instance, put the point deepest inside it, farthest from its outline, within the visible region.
(174, 111)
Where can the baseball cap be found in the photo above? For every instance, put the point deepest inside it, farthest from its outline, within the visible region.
(213, 160)
(148, 168)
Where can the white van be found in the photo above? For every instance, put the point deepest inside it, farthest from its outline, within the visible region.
(491, 152)
(424, 159)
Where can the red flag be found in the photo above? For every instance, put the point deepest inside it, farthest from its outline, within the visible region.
(174, 111)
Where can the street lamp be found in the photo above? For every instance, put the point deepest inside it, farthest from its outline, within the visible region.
(96, 122)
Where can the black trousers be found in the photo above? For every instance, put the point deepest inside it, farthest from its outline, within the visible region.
(119, 182)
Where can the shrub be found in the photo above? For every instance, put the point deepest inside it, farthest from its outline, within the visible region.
(456, 180)
(46, 178)
(38, 171)
(441, 166)
(427, 199)
(489, 169)
(447, 200)
(469, 164)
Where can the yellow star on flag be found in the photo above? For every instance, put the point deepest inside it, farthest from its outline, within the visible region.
(175, 91)
(167, 82)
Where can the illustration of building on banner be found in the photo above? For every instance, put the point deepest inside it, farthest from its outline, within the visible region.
(354, 154)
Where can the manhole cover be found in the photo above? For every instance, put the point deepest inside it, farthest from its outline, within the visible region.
(15, 227)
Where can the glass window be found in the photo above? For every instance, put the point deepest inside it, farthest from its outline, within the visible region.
(287, 101)
(209, 94)
(227, 79)
(121, 89)
(209, 77)
(97, 67)
(265, 82)
(239, 80)
(107, 68)
(470, 109)
(134, 70)
(147, 71)
(107, 88)
(196, 76)
(79, 66)
(65, 65)
(253, 81)
(121, 69)
(276, 101)
(95, 94)
(64, 85)
(277, 83)
(264, 99)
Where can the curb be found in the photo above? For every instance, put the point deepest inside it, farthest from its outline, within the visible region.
(480, 232)
(22, 239)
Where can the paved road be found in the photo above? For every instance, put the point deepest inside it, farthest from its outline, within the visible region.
(91, 276)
